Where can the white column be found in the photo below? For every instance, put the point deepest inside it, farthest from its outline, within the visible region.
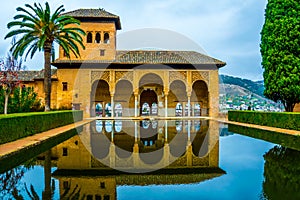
(112, 105)
(135, 105)
(166, 131)
(166, 105)
(189, 106)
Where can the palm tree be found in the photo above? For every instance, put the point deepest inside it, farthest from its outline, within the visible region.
(40, 30)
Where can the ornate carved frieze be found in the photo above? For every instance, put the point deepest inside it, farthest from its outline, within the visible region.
(97, 75)
(177, 75)
(127, 75)
(200, 75)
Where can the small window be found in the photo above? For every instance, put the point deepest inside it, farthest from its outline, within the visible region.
(102, 52)
(106, 197)
(106, 38)
(102, 185)
(65, 53)
(66, 185)
(97, 197)
(65, 86)
(98, 38)
(89, 197)
(89, 38)
(65, 151)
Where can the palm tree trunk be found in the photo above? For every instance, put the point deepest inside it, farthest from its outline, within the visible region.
(47, 75)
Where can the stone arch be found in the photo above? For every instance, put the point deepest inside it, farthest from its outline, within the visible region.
(150, 79)
(125, 96)
(200, 95)
(177, 94)
(99, 94)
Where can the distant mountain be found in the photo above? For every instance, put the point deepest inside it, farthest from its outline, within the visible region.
(256, 87)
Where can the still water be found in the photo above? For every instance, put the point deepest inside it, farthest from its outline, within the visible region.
(159, 160)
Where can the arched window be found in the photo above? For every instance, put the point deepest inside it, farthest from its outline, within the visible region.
(145, 109)
(154, 109)
(118, 126)
(118, 110)
(106, 38)
(97, 38)
(108, 126)
(99, 110)
(99, 126)
(89, 38)
(197, 109)
(154, 124)
(178, 110)
(108, 110)
(186, 110)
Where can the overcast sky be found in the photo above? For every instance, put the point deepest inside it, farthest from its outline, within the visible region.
(228, 30)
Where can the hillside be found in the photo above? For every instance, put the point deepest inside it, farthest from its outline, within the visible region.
(240, 94)
(256, 87)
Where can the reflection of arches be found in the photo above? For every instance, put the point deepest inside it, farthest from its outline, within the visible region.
(200, 95)
(99, 126)
(106, 38)
(118, 126)
(97, 38)
(99, 94)
(89, 38)
(178, 110)
(108, 126)
(178, 126)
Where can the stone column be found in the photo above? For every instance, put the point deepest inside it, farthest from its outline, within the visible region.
(213, 93)
(189, 106)
(135, 105)
(166, 105)
(166, 131)
(112, 105)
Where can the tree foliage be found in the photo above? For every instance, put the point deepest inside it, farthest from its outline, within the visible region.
(40, 30)
(280, 49)
(9, 80)
(23, 99)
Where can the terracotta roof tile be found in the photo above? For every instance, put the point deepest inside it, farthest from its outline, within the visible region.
(94, 13)
(155, 57)
(32, 75)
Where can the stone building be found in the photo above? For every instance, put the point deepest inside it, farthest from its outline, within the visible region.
(105, 81)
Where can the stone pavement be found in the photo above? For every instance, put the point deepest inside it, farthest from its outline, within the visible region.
(14, 146)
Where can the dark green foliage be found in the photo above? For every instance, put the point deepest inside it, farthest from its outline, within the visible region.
(280, 49)
(281, 174)
(257, 87)
(16, 126)
(22, 100)
(273, 119)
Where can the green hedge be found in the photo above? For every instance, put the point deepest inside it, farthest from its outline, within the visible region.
(286, 120)
(16, 126)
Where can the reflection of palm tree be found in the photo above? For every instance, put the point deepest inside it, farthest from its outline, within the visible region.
(49, 189)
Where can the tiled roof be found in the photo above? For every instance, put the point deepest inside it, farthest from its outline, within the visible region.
(94, 13)
(155, 57)
(32, 75)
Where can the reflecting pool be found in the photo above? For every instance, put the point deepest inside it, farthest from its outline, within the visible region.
(150, 159)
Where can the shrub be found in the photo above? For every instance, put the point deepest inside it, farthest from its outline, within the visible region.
(16, 126)
(286, 120)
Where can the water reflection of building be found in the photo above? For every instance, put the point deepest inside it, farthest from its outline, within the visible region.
(138, 146)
